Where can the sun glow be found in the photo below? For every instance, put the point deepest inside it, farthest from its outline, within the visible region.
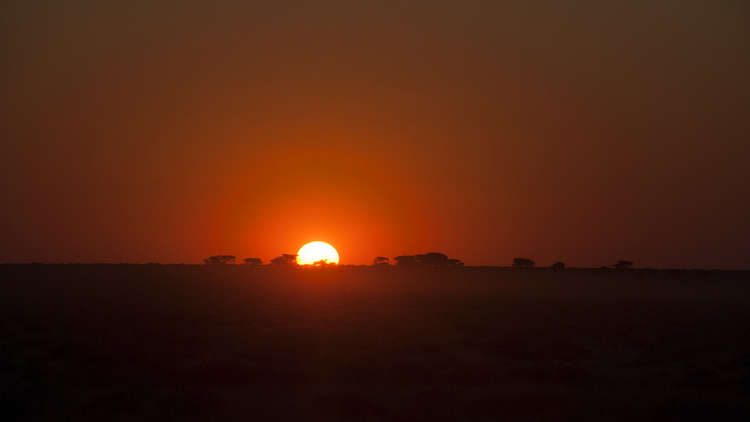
(317, 252)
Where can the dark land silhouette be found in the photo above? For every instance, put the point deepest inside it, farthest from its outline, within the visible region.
(429, 342)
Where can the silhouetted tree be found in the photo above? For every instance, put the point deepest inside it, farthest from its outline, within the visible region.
(522, 263)
(432, 259)
(219, 259)
(253, 261)
(558, 266)
(429, 259)
(623, 265)
(323, 263)
(285, 260)
(380, 261)
(405, 260)
(455, 263)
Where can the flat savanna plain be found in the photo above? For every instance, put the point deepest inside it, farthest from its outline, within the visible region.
(179, 342)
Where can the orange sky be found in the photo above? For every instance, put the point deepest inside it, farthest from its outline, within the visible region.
(586, 133)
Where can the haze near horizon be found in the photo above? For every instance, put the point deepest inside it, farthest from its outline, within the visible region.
(581, 133)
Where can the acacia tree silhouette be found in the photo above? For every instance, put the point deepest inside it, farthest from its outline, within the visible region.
(522, 263)
(455, 263)
(623, 265)
(323, 263)
(405, 260)
(429, 259)
(432, 258)
(288, 260)
(219, 259)
(380, 261)
(254, 262)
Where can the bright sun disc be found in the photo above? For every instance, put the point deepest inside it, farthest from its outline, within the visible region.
(315, 252)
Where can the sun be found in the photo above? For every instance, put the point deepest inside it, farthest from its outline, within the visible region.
(315, 252)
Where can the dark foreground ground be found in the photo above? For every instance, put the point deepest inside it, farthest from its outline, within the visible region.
(121, 342)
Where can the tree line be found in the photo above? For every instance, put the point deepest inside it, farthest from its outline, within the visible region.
(426, 260)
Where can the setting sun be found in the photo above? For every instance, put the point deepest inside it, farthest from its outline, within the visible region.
(315, 252)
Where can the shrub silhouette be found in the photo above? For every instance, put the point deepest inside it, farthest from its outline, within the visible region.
(623, 265)
(219, 259)
(432, 259)
(522, 263)
(405, 261)
(380, 261)
(323, 263)
(455, 263)
(285, 260)
(558, 266)
(429, 259)
(253, 261)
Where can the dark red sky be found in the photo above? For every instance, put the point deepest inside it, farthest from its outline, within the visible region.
(583, 132)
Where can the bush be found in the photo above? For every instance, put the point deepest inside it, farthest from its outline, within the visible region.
(623, 265)
(219, 259)
(380, 261)
(522, 263)
(253, 262)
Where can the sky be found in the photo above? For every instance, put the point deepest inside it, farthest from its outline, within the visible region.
(585, 132)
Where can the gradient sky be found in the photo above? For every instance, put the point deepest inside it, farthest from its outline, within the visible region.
(582, 131)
